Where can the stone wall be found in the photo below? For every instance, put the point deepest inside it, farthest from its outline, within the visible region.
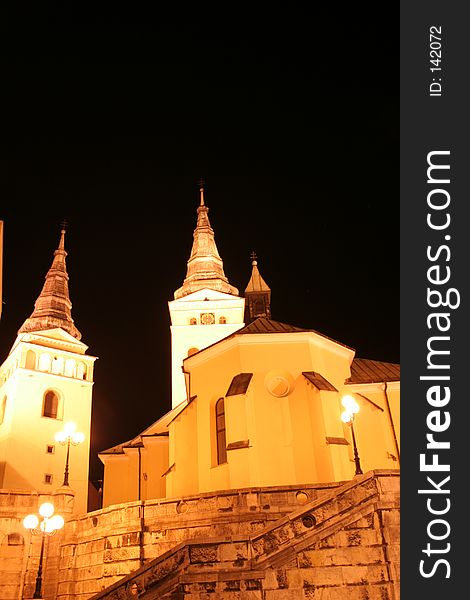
(103, 546)
(343, 545)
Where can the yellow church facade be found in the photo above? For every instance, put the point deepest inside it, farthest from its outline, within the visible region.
(265, 410)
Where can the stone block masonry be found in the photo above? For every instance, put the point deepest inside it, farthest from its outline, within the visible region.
(342, 545)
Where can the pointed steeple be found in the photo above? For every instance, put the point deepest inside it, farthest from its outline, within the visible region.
(205, 267)
(52, 309)
(257, 294)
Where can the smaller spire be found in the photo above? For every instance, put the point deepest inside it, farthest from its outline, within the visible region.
(256, 283)
(257, 294)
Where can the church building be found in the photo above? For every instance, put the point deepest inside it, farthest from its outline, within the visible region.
(255, 402)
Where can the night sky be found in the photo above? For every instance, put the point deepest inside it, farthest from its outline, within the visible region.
(291, 119)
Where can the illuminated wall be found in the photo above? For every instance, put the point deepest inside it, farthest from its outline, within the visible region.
(45, 382)
(282, 429)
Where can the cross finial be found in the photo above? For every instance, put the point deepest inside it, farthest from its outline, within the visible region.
(201, 190)
(253, 258)
(63, 227)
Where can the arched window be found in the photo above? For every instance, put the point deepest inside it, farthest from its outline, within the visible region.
(70, 367)
(222, 320)
(58, 365)
(31, 360)
(45, 362)
(220, 428)
(3, 405)
(81, 370)
(50, 406)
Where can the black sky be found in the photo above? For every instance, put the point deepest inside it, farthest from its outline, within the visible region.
(292, 119)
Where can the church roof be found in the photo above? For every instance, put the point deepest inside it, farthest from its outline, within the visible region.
(364, 370)
(265, 325)
(52, 309)
(205, 267)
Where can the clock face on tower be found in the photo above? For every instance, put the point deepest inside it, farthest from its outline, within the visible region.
(207, 318)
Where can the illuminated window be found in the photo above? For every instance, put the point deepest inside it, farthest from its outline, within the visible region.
(81, 370)
(48, 478)
(50, 406)
(3, 406)
(30, 360)
(222, 320)
(45, 362)
(58, 365)
(70, 367)
(220, 429)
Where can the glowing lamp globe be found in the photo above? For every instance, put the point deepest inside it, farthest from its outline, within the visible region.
(78, 437)
(46, 510)
(56, 522)
(60, 437)
(30, 522)
(350, 404)
(69, 429)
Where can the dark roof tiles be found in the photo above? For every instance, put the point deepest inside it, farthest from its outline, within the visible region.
(364, 370)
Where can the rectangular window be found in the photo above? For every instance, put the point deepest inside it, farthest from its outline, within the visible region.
(50, 449)
(48, 478)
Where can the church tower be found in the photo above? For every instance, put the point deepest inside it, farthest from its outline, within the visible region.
(45, 382)
(206, 307)
(257, 295)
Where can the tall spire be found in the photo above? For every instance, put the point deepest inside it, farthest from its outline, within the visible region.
(257, 294)
(52, 309)
(205, 267)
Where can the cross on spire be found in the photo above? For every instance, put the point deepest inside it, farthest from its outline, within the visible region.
(201, 190)
(253, 257)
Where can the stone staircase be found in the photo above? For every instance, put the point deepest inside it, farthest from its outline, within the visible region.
(343, 545)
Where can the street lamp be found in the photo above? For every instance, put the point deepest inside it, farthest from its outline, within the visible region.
(66, 437)
(49, 524)
(351, 408)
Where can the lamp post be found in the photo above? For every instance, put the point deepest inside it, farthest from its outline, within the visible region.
(66, 437)
(49, 524)
(351, 408)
